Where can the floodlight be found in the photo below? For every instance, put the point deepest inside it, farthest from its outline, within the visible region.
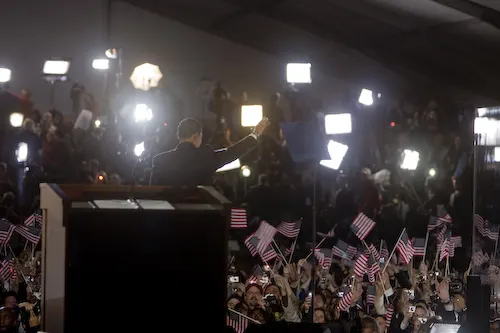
(410, 159)
(337, 152)
(146, 76)
(142, 113)
(481, 112)
(22, 152)
(5, 75)
(139, 149)
(97, 123)
(338, 123)
(230, 166)
(432, 172)
(251, 115)
(111, 53)
(56, 67)
(496, 154)
(245, 171)
(16, 119)
(366, 97)
(298, 73)
(101, 64)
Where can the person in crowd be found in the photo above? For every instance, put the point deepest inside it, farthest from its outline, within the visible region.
(192, 165)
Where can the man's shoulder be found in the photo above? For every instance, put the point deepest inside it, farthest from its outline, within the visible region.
(164, 155)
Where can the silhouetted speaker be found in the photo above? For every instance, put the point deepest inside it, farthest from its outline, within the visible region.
(144, 264)
(478, 306)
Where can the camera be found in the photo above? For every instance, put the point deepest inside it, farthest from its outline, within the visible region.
(234, 279)
(410, 293)
(271, 299)
(411, 309)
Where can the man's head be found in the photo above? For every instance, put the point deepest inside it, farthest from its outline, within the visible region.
(7, 319)
(253, 295)
(10, 299)
(190, 130)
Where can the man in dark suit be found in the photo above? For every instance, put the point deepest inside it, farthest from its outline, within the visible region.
(192, 165)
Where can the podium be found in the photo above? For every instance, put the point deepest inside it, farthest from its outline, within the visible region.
(141, 258)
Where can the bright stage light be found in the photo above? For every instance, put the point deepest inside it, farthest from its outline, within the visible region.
(366, 97)
(56, 67)
(5, 75)
(410, 159)
(298, 73)
(22, 152)
(97, 123)
(230, 166)
(338, 123)
(100, 64)
(432, 172)
(16, 119)
(245, 171)
(496, 154)
(251, 115)
(142, 113)
(337, 152)
(139, 149)
(146, 76)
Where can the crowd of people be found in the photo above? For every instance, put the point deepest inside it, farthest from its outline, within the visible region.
(403, 296)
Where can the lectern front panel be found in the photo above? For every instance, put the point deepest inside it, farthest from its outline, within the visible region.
(145, 269)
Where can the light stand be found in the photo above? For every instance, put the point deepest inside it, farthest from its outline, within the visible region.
(313, 273)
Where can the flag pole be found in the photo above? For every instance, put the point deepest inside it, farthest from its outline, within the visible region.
(494, 256)
(295, 242)
(313, 275)
(279, 250)
(425, 245)
(393, 250)
(375, 260)
(312, 251)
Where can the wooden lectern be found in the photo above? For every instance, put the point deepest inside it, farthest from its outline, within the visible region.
(140, 258)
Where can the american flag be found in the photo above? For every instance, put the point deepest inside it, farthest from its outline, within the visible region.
(480, 258)
(237, 321)
(252, 242)
(289, 229)
(445, 247)
(433, 223)
(371, 292)
(419, 247)
(388, 315)
(362, 226)
(404, 247)
(238, 218)
(255, 277)
(340, 249)
(360, 265)
(457, 240)
(34, 220)
(374, 252)
(6, 230)
(440, 236)
(265, 234)
(32, 234)
(324, 257)
(373, 268)
(384, 252)
(7, 269)
(485, 228)
(345, 301)
(443, 216)
(351, 252)
(329, 234)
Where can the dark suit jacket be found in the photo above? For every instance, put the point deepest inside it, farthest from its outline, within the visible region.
(187, 165)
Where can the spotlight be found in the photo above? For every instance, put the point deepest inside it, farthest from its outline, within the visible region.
(230, 166)
(100, 64)
(111, 53)
(245, 171)
(142, 113)
(432, 172)
(410, 159)
(337, 152)
(496, 154)
(16, 119)
(22, 152)
(366, 97)
(5, 75)
(56, 67)
(97, 123)
(338, 123)
(298, 73)
(101, 178)
(146, 76)
(139, 149)
(251, 115)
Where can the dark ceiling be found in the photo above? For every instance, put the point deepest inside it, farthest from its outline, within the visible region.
(436, 44)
